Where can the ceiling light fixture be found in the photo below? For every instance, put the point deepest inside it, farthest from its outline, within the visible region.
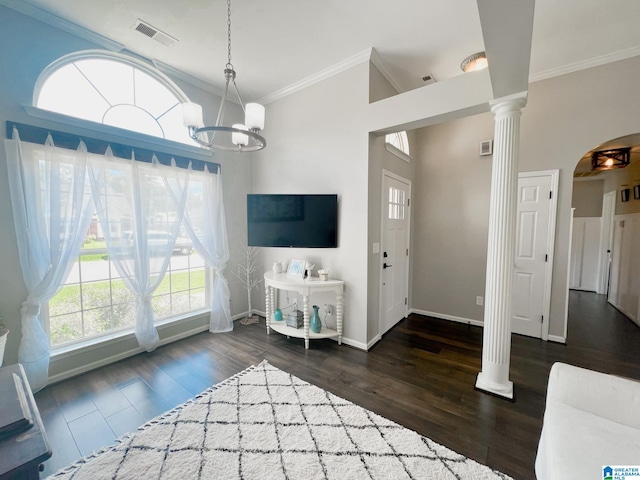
(610, 159)
(235, 138)
(475, 62)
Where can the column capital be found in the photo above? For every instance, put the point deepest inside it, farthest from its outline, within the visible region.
(509, 104)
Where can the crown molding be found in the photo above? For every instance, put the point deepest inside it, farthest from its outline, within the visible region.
(29, 10)
(317, 77)
(585, 64)
(383, 68)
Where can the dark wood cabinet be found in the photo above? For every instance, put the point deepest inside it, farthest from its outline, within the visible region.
(21, 454)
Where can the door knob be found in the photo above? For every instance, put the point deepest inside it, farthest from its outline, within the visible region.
(384, 265)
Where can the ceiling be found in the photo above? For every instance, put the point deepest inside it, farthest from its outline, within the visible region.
(280, 43)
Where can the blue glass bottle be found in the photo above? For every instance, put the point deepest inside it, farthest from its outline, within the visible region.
(314, 322)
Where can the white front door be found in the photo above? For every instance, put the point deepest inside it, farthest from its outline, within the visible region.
(534, 253)
(395, 250)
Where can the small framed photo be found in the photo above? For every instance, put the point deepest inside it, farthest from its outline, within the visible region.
(636, 192)
(624, 195)
(296, 268)
(486, 147)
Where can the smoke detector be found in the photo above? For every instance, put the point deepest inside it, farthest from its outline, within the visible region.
(154, 33)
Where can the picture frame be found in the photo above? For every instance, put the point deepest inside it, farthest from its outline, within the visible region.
(624, 195)
(486, 147)
(296, 268)
(636, 192)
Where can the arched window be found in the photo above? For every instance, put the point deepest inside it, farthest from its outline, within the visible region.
(398, 144)
(115, 90)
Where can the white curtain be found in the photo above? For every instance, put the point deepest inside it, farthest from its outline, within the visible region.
(205, 224)
(140, 223)
(141, 208)
(52, 210)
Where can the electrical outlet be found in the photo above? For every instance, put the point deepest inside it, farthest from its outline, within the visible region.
(479, 301)
(328, 308)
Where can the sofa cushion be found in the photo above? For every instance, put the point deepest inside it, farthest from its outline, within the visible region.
(576, 444)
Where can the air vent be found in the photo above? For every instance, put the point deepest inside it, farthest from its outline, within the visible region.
(152, 32)
(429, 79)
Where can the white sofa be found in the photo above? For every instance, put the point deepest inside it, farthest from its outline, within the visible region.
(591, 420)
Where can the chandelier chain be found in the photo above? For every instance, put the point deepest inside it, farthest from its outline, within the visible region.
(229, 33)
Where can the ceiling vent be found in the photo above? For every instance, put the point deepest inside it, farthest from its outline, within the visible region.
(152, 32)
(429, 79)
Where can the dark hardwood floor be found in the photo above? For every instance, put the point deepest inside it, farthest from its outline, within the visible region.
(420, 375)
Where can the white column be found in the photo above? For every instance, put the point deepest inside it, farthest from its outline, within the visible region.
(496, 344)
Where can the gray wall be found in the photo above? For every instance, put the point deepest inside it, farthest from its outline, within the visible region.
(29, 47)
(450, 218)
(564, 118)
(587, 198)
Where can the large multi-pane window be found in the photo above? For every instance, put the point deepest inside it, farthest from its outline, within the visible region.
(94, 300)
(114, 90)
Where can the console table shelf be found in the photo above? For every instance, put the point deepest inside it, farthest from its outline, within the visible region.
(305, 287)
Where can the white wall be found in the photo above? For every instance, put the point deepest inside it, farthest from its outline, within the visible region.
(29, 47)
(317, 143)
(380, 158)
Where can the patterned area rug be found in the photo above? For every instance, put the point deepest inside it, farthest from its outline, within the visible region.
(264, 423)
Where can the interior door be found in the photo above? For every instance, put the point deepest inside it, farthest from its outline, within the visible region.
(534, 251)
(606, 242)
(395, 250)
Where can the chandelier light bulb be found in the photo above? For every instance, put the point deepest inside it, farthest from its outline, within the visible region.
(238, 138)
(254, 116)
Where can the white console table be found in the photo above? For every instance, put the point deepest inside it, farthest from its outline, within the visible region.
(305, 287)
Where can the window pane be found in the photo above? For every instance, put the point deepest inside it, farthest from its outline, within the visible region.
(132, 118)
(151, 95)
(114, 80)
(65, 328)
(96, 294)
(68, 91)
(118, 93)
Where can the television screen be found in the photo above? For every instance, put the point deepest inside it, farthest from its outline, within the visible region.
(309, 221)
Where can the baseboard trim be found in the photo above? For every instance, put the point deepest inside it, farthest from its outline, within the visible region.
(557, 339)
(373, 341)
(121, 356)
(444, 316)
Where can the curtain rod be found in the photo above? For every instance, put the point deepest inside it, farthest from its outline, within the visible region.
(32, 134)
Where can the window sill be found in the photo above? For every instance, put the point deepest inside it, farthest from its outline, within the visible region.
(397, 152)
(88, 345)
(115, 134)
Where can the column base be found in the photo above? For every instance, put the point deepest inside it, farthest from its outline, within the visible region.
(498, 389)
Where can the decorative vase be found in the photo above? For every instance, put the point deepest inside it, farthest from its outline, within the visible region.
(277, 315)
(314, 322)
(277, 267)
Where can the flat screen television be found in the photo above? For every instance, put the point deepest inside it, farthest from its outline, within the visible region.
(309, 221)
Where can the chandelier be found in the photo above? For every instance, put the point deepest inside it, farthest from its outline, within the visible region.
(235, 138)
(610, 159)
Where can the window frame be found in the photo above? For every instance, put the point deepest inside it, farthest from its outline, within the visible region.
(134, 140)
(391, 148)
(35, 111)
